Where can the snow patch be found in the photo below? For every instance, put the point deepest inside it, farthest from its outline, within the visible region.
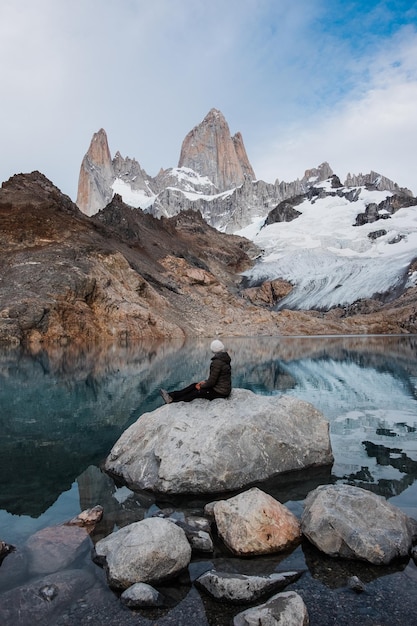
(136, 198)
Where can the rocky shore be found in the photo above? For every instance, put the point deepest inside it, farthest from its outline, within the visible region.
(221, 567)
(236, 552)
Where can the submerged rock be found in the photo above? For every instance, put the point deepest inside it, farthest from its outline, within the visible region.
(43, 600)
(55, 548)
(350, 522)
(220, 446)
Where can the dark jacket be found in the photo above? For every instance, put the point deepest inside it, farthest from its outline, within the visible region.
(220, 377)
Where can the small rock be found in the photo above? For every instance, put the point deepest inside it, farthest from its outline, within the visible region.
(142, 595)
(87, 517)
(283, 609)
(198, 522)
(356, 584)
(200, 540)
(48, 592)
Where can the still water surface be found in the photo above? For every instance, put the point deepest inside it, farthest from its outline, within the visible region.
(60, 415)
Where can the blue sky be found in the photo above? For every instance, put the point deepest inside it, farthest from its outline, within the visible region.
(304, 81)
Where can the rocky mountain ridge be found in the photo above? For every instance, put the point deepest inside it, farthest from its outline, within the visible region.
(214, 176)
(123, 276)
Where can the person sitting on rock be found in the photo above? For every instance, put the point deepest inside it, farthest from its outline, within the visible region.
(217, 385)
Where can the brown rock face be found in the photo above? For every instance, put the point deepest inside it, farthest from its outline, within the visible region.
(243, 157)
(269, 293)
(96, 176)
(122, 276)
(209, 150)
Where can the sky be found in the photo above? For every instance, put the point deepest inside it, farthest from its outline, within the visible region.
(304, 81)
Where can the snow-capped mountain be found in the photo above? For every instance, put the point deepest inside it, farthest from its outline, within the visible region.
(315, 233)
(221, 183)
(342, 244)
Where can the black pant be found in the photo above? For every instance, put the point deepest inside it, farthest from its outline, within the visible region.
(191, 393)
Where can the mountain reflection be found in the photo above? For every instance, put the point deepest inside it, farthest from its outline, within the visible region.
(62, 411)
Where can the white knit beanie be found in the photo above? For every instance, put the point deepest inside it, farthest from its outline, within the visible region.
(217, 346)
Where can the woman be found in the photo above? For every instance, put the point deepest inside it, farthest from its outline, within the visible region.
(217, 385)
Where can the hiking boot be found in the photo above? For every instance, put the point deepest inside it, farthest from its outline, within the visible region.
(167, 398)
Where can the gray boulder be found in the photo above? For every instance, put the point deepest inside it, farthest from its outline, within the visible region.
(350, 522)
(238, 588)
(148, 551)
(283, 609)
(218, 446)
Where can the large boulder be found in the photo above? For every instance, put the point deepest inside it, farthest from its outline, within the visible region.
(149, 551)
(222, 445)
(254, 522)
(350, 522)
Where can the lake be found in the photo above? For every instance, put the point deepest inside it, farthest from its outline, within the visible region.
(62, 412)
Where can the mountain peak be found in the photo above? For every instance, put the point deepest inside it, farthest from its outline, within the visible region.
(99, 147)
(373, 180)
(96, 175)
(215, 115)
(209, 150)
(318, 174)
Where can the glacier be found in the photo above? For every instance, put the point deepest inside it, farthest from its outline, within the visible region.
(329, 261)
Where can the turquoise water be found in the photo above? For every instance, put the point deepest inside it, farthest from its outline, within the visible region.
(60, 415)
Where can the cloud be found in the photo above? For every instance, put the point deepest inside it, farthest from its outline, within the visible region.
(291, 76)
(374, 127)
